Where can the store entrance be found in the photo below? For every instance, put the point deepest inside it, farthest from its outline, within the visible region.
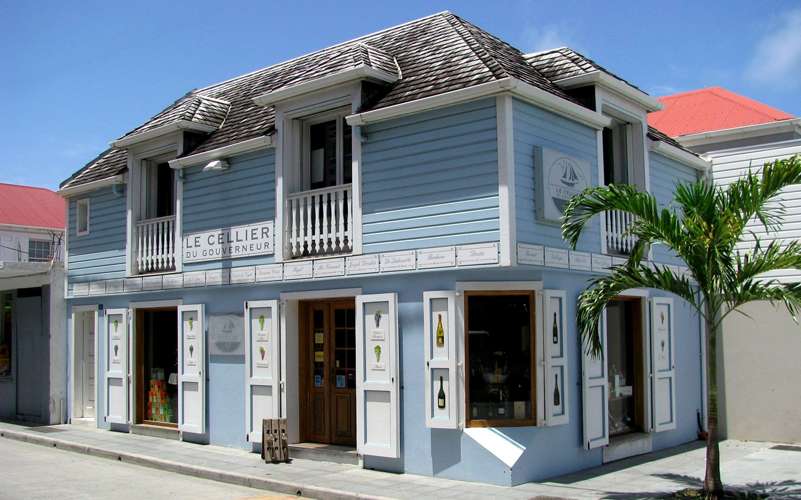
(157, 367)
(328, 372)
(626, 366)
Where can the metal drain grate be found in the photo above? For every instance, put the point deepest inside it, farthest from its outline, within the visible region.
(45, 429)
(785, 447)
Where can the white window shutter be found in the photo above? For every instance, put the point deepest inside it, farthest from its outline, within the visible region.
(377, 376)
(595, 393)
(663, 364)
(441, 381)
(191, 369)
(262, 365)
(555, 347)
(116, 362)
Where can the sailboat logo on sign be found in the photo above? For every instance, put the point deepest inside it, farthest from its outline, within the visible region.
(565, 179)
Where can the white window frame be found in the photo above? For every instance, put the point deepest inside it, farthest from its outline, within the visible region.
(82, 202)
(161, 150)
(50, 247)
(288, 117)
(338, 116)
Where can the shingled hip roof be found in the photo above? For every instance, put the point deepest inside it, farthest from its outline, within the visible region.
(429, 56)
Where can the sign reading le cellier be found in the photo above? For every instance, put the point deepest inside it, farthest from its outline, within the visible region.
(560, 177)
(229, 242)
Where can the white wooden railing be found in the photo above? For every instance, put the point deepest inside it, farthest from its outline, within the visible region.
(318, 222)
(618, 239)
(155, 245)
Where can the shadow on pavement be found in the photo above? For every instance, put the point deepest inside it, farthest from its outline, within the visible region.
(757, 490)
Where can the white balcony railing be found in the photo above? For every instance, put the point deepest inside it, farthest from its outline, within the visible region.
(618, 239)
(319, 222)
(155, 245)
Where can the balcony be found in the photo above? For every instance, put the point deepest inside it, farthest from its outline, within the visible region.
(618, 240)
(318, 222)
(155, 245)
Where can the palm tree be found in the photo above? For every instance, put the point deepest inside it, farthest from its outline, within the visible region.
(705, 228)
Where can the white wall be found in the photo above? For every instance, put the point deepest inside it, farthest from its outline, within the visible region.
(761, 375)
(12, 239)
(728, 165)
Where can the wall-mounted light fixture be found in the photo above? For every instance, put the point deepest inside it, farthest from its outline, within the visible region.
(216, 165)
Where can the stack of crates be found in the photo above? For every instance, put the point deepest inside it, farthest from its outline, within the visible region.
(274, 446)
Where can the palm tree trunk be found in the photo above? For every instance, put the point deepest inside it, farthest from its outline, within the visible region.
(713, 487)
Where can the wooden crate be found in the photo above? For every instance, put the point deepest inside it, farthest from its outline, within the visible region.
(274, 446)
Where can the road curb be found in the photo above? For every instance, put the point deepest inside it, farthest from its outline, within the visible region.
(275, 485)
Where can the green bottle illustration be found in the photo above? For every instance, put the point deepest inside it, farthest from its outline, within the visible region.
(191, 350)
(440, 332)
(261, 322)
(116, 324)
(441, 396)
(116, 350)
(191, 322)
(557, 399)
(555, 330)
(377, 351)
(262, 351)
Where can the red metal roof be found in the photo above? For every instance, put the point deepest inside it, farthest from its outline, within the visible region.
(713, 108)
(31, 206)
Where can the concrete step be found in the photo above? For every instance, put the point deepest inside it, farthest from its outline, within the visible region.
(324, 453)
(155, 431)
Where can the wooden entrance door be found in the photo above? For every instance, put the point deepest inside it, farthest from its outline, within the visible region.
(328, 372)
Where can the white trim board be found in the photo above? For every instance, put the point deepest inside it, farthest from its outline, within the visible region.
(246, 146)
(91, 186)
(679, 155)
(516, 87)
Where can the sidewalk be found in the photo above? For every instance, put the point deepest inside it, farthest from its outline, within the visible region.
(682, 467)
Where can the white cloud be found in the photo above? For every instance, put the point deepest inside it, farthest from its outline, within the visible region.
(777, 56)
(537, 38)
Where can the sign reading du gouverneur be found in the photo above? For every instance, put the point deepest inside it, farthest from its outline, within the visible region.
(229, 242)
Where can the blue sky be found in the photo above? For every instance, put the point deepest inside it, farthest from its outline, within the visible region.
(77, 75)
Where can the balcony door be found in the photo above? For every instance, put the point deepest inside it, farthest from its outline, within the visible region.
(155, 238)
(328, 372)
(158, 190)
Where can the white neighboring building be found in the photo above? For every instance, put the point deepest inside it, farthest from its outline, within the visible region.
(760, 376)
(32, 361)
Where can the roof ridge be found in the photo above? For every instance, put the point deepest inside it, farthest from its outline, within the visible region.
(546, 51)
(484, 56)
(330, 47)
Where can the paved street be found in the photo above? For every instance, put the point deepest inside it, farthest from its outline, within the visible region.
(34, 472)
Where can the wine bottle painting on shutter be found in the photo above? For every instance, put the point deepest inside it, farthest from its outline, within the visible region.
(557, 400)
(441, 395)
(440, 332)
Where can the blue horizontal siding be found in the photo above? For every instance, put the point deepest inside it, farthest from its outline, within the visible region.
(431, 179)
(243, 194)
(101, 253)
(535, 127)
(666, 174)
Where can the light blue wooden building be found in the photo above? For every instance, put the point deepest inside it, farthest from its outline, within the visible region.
(365, 241)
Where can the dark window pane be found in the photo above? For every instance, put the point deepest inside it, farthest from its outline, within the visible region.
(165, 197)
(347, 156)
(499, 363)
(323, 154)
